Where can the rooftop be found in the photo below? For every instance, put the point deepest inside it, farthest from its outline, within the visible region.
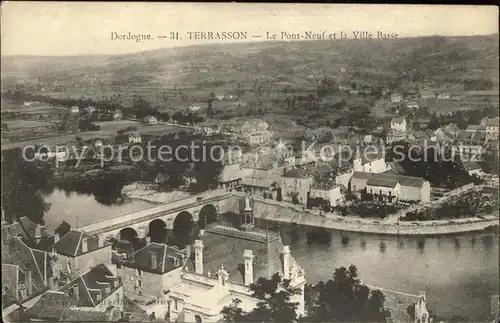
(382, 181)
(23, 227)
(18, 258)
(471, 166)
(93, 287)
(492, 122)
(297, 173)
(167, 258)
(226, 246)
(71, 243)
(398, 120)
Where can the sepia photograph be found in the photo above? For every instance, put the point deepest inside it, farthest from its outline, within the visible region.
(249, 162)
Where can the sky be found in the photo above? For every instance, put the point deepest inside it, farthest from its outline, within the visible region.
(79, 28)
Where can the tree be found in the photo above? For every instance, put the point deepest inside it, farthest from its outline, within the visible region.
(63, 228)
(344, 299)
(274, 304)
(279, 198)
(210, 112)
(22, 184)
(233, 312)
(433, 122)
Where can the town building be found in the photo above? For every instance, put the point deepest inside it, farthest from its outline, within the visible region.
(262, 175)
(194, 108)
(77, 252)
(75, 109)
(412, 94)
(422, 314)
(226, 261)
(134, 138)
(259, 137)
(384, 189)
(412, 188)
(253, 125)
(90, 109)
(25, 272)
(117, 114)
(150, 120)
(151, 271)
(412, 105)
(398, 124)
(469, 143)
(368, 162)
(476, 128)
(295, 185)
(396, 98)
(426, 95)
(492, 128)
(443, 96)
(33, 235)
(330, 192)
(95, 294)
(394, 136)
(473, 168)
(98, 144)
(409, 188)
(231, 170)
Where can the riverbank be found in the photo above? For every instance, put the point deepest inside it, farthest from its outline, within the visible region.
(284, 212)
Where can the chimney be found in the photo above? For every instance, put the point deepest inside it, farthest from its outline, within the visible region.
(38, 231)
(52, 283)
(148, 240)
(110, 314)
(153, 261)
(248, 255)
(75, 291)
(101, 239)
(188, 251)
(56, 237)
(198, 256)
(422, 295)
(286, 262)
(113, 269)
(84, 244)
(28, 282)
(247, 203)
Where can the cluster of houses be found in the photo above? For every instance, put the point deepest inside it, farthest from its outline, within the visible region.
(304, 176)
(473, 140)
(77, 276)
(413, 94)
(101, 113)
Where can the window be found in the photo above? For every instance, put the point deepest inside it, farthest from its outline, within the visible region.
(175, 304)
(139, 283)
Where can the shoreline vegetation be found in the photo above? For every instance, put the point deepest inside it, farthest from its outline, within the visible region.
(297, 215)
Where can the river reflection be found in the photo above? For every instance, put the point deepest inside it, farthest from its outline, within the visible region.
(83, 209)
(458, 274)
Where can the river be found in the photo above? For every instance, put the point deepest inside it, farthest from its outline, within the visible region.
(458, 272)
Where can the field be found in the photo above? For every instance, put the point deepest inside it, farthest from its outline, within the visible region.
(108, 131)
(23, 124)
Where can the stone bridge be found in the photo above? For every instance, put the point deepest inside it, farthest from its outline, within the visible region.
(197, 208)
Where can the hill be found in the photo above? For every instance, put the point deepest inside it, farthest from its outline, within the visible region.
(297, 64)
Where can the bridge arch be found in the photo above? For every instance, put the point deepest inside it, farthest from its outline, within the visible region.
(208, 214)
(130, 235)
(183, 229)
(157, 231)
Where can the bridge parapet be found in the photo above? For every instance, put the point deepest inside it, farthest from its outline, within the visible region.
(138, 219)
